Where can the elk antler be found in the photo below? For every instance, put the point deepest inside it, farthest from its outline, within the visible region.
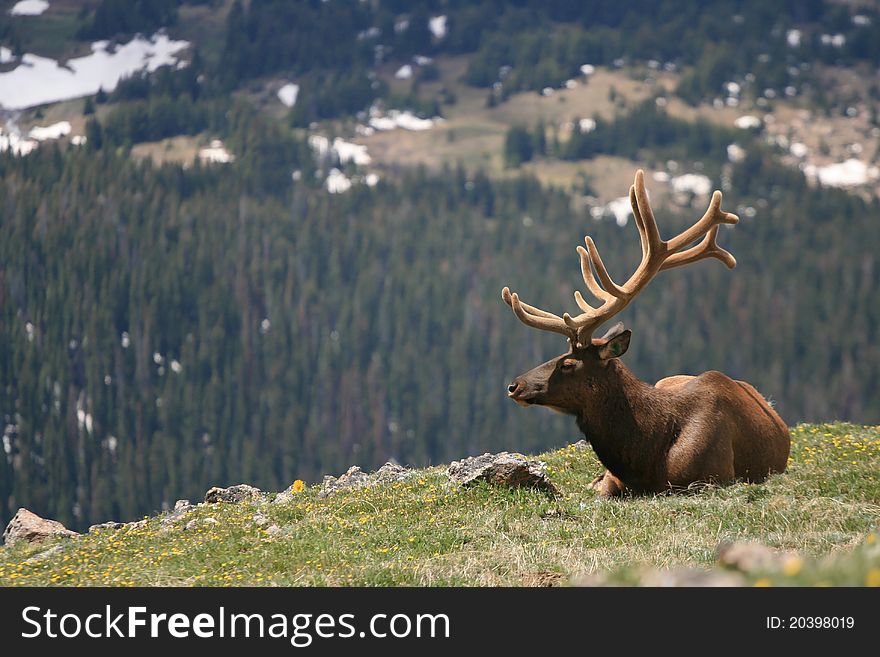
(657, 255)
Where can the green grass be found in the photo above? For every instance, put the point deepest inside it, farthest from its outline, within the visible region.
(422, 532)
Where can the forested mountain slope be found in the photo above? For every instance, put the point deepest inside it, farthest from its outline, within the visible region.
(166, 330)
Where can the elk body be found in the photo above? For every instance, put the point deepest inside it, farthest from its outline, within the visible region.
(683, 429)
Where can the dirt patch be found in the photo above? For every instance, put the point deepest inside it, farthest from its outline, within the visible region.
(542, 579)
(181, 149)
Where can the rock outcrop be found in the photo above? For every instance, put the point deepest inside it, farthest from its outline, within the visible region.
(354, 478)
(502, 469)
(237, 493)
(31, 528)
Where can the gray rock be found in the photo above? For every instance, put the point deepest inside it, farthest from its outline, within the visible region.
(691, 577)
(592, 580)
(260, 519)
(31, 528)
(581, 444)
(106, 525)
(46, 554)
(182, 505)
(750, 557)
(197, 522)
(355, 478)
(286, 495)
(237, 493)
(502, 469)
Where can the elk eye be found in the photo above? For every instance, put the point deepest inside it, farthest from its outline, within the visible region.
(567, 365)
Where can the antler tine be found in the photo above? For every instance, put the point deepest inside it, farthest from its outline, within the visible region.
(707, 248)
(713, 217)
(654, 245)
(611, 288)
(589, 279)
(640, 223)
(535, 317)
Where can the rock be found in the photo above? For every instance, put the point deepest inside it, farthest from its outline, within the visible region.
(287, 494)
(273, 530)
(750, 557)
(260, 519)
(354, 478)
(581, 444)
(31, 528)
(182, 505)
(196, 522)
(45, 554)
(592, 580)
(691, 577)
(106, 525)
(502, 469)
(542, 579)
(237, 493)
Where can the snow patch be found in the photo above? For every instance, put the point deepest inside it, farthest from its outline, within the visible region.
(346, 151)
(337, 182)
(288, 93)
(29, 8)
(587, 125)
(850, 173)
(619, 208)
(694, 183)
(437, 25)
(216, 152)
(793, 38)
(5, 55)
(40, 80)
(13, 142)
(747, 122)
(54, 131)
(836, 40)
(736, 153)
(587, 70)
(799, 150)
(397, 119)
(660, 176)
(404, 72)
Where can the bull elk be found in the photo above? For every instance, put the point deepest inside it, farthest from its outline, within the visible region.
(683, 429)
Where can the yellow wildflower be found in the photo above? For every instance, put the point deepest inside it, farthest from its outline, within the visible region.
(792, 566)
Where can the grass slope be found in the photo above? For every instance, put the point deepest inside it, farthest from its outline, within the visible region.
(421, 532)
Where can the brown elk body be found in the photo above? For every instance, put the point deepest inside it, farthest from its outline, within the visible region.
(683, 429)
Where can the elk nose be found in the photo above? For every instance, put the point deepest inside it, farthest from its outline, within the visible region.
(512, 388)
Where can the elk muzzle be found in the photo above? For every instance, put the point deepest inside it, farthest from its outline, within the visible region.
(529, 388)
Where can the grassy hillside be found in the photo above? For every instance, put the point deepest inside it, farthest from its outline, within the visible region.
(421, 532)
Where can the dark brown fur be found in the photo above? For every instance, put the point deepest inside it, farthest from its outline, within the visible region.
(685, 429)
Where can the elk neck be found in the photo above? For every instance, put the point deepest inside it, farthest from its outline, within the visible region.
(628, 422)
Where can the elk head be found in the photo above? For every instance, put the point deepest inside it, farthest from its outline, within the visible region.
(563, 382)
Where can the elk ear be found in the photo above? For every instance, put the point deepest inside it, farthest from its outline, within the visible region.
(615, 345)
